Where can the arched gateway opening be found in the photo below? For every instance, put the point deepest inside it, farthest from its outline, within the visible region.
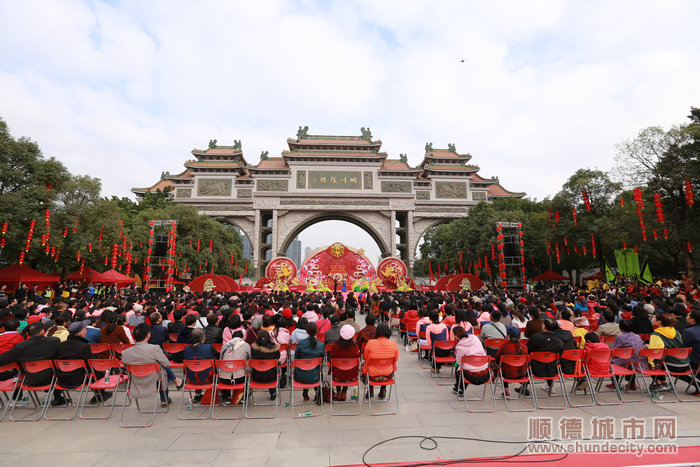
(324, 177)
(336, 216)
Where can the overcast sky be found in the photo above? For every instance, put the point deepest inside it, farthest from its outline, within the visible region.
(532, 90)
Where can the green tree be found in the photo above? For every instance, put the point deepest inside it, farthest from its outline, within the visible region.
(28, 184)
(661, 161)
(473, 236)
(599, 221)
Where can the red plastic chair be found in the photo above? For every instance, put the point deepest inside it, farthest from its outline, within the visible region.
(607, 339)
(218, 348)
(134, 373)
(497, 343)
(228, 366)
(477, 360)
(422, 347)
(448, 346)
(198, 366)
(116, 379)
(346, 364)
(98, 349)
(30, 368)
(411, 330)
(172, 337)
(654, 354)
(117, 349)
(477, 331)
(262, 365)
(67, 366)
(10, 385)
(544, 358)
(172, 349)
(382, 366)
(601, 357)
(289, 348)
(576, 356)
(681, 353)
(517, 361)
(307, 364)
(623, 371)
(645, 337)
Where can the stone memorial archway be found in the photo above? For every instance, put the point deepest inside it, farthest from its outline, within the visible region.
(325, 177)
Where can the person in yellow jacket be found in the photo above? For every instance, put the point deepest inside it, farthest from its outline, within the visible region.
(665, 336)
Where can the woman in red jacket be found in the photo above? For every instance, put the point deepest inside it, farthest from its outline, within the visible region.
(344, 348)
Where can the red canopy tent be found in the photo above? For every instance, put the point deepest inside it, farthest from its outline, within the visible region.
(550, 275)
(85, 276)
(13, 275)
(210, 283)
(111, 277)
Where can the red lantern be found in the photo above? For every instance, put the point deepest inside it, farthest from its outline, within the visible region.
(659, 208)
(689, 195)
(665, 234)
(573, 210)
(586, 201)
(636, 249)
(690, 247)
(622, 202)
(30, 235)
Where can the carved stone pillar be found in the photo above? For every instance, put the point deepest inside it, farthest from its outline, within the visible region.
(275, 241)
(392, 233)
(409, 241)
(255, 241)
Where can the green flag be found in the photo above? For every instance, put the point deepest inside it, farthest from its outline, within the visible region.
(627, 263)
(645, 275)
(609, 276)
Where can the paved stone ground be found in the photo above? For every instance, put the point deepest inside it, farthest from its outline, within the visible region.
(426, 409)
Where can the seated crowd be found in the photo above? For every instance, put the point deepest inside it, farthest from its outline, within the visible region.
(555, 320)
(284, 325)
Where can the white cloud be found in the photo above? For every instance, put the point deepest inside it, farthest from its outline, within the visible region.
(124, 90)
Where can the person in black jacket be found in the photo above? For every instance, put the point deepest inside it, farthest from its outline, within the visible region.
(75, 347)
(37, 347)
(545, 341)
(213, 334)
(568, 343)
(641, 324)
(159, 333)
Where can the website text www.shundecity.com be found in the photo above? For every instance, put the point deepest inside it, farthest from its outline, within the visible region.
(637, 436)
